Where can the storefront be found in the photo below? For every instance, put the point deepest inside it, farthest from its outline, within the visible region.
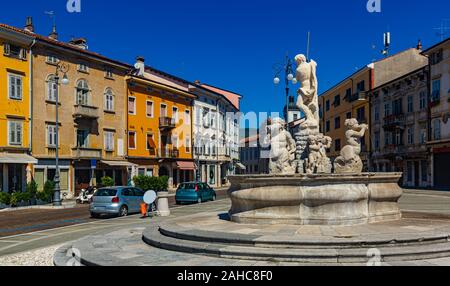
(45, 170)
(14, 171)
(117, 170)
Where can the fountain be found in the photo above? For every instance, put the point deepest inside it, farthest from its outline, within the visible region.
(301, 188)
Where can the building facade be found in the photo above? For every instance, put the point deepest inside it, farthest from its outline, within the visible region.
(348, 99)
(254, 156)
(159, 125)
(439, 109)
(15, 109)
(399, 129)
(215, 127)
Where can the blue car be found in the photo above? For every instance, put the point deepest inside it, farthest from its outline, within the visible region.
(119, 201)
(194, 192)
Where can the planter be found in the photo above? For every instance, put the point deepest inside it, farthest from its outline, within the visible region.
(3, 206)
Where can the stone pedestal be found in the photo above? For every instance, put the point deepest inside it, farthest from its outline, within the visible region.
(320, 199)
(162, 204)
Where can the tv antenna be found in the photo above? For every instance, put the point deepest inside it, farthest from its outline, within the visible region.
(442, 31)
(52, 16)
(387, 43)
(308, 45)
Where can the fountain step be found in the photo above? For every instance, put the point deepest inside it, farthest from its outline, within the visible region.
(357, 254)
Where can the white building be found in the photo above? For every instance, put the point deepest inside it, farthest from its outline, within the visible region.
(216, 133)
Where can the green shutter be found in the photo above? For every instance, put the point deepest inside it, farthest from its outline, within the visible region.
(39, 178)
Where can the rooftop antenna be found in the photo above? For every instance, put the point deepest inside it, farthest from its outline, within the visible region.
(443, 29)
(387, 43)
(308, 45)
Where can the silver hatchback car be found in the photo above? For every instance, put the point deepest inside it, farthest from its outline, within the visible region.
(119, 201)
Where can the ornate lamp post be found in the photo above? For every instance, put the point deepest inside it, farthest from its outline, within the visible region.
(288, 69)
(63, 68)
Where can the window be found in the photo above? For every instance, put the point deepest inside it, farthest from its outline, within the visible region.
(51, 135)
(327, 126)
(83, 68)
(175, 141)
(437, 129)
(424, 171)
(187, 117)
(175, 116)
(108, 73)
(348, 115)
(163, 110)
(151, 146)
(337, 145)
(198, 115)
(15, 87)
(15, 51)
(132, 105)
(387, 109)
(423, 100)
(397, 106)
(327, 105)
(361, 114)
(188, 145)
(337, 122)
(132, 140)
(436, 94)
(337, 100)
(82, 138)
(423, 136)
(348, 94)
(377, 113)
(52, 88)
(377, 141)
(15, 132)
(409, 168)
(109, 141)
(82, 92)
(149, 109)
(410, 104)
(52, 60)
(361, 86)
(411, 135)
(109, 100)
(398, 138)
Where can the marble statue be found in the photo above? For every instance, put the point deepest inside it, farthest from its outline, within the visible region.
(317, 161)
(283, 147)
(308, 101)
(350, 161)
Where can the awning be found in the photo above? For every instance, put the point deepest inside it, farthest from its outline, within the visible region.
(118, 163)
(241, 166)
(187, 166)
(8, 158)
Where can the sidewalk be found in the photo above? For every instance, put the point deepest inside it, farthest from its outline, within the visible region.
(65, 205)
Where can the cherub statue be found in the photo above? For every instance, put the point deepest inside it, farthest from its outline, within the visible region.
(318, 162)
(282, 153)
(308, 100)
(349, 161)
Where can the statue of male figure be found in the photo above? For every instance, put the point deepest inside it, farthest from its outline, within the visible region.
(308, 100)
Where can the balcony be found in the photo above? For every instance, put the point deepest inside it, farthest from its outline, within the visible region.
(85, 112)
(360, 95)
(166, 123)
(169, 153)
(393, 122)
(86, 153)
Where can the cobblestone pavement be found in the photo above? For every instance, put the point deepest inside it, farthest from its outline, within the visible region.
(21, 249)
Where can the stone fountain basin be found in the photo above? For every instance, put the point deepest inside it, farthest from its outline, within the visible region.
(320, 199)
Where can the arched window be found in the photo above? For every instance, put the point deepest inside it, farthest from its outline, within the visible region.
(82, 92)
(109, 100)
(52, 88)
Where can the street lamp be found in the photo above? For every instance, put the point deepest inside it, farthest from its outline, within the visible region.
(197, 145)
(63, 68)
(289, 77)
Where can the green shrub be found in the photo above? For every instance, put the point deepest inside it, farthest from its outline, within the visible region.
(19, 197)
(32, 188)
(47, 194)
(146, 183)
(107, 182)
(5, 198)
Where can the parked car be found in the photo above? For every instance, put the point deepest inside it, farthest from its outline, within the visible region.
(194, 192)
(120, 201)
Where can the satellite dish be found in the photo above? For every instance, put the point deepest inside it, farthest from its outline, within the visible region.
(150, 197)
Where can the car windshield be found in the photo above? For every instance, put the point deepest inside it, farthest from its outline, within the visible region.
(189, 186)
(105, 193)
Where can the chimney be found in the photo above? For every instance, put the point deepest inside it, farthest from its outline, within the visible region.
(53, 35)
(29, 27)
(140, 66)
(419, 45)
(197, 82)
(79, 43)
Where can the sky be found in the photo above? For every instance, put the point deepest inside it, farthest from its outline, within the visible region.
(235, 44)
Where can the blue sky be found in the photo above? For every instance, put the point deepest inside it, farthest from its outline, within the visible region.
(235, 43)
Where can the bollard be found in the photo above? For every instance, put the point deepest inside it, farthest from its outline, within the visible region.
(144, 208)
(163, 204)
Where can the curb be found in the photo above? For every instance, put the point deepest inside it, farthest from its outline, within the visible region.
(41, 207)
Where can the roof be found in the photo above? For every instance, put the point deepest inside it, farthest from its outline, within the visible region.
(436, 45)
(64, 45)
(233, 97)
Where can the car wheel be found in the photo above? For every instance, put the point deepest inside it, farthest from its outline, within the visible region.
(199, 200)
(214, 197)
(123, 211)
(94, 215)
(178, 203)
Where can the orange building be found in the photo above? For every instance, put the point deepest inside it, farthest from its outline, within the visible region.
(159, 125)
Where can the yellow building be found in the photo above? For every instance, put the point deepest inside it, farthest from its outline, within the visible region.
(160, 125)
(348, 98)
(15, 109)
